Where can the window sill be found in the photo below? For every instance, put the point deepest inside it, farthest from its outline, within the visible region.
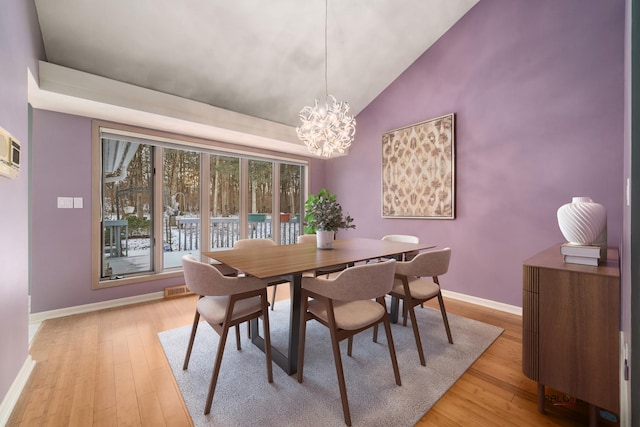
(131, 280)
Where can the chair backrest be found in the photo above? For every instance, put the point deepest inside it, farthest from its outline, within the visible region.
(204, 279)
(306, 238)
(426, 264)
(405, 238)
(361, 282)
(253, 243)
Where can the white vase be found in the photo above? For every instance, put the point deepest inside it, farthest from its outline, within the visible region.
(324, 239)
(582, 221)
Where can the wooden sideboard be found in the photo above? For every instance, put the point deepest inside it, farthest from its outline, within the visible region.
(571, 324)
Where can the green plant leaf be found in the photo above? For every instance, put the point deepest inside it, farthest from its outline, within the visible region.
(323, 212)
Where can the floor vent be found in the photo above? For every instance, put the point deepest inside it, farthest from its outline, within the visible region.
(176, 291)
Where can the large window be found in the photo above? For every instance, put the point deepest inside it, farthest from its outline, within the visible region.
(181, 202)
(162, 198)
(127, 215)
(224, 205)
(291, 202)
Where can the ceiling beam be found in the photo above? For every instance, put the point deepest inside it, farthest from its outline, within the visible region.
(70, 91)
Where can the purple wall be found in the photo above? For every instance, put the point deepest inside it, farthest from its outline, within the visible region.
(20, 47)
(61, 238)
(537, 89)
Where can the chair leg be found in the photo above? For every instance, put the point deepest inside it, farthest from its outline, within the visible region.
(444, 317)
(339, 371)
(392, 348)
(196, 320)
(405, 309)
(238, 346)
(267, 336)
(416, 334)
(375, 333)
(349, 345)
(273, 297)
(218, 362)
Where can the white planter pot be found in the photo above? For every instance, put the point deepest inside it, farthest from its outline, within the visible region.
(324, 239)
(582, 221)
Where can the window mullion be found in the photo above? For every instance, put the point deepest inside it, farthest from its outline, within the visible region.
(158, 209)
(244, 197)
(205, 208)
(275, 208)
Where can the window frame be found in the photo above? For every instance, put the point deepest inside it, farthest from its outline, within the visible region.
(206, 148)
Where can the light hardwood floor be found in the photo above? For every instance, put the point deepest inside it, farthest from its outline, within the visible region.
(108, 368)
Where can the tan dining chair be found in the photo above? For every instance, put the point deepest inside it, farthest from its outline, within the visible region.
(404, 238)
(345, 305)
(325, 271)
(407, 256)
(224, 268)
(261, 243)
(225, 302)
(416, 282)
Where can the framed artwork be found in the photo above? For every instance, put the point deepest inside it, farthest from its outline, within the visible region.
(418, 170)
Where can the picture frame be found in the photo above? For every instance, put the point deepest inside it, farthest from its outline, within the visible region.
(418, 170)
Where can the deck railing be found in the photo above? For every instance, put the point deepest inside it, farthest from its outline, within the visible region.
(224, 232)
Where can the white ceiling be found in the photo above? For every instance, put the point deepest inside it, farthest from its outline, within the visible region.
(261, 58)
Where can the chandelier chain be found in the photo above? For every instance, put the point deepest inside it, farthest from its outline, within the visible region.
(326, 49)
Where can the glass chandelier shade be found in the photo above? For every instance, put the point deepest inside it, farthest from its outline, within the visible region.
(327, 128)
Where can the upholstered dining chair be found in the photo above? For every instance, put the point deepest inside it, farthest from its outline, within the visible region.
(345, 305)
(224, 268)
(407, 256)
(417, 281)
(404, 238)
(306, 238)
(260, 243)
(225, 302)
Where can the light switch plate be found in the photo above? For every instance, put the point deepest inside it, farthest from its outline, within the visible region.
(628, 192)
(65, 202)
(77, 202)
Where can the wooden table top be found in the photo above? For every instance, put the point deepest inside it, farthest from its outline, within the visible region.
(281, 260)
(552, 258)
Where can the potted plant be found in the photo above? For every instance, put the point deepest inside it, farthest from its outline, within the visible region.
(323, 216)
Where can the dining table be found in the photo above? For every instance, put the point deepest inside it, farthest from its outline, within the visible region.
(289, 262)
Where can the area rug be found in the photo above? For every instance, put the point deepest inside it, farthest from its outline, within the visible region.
(243, 396)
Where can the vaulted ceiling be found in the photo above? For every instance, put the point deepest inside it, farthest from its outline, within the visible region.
(264, 59)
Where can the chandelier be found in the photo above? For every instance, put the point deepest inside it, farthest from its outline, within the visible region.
(326, 127)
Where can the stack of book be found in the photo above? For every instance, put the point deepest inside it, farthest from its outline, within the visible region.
(582, 254)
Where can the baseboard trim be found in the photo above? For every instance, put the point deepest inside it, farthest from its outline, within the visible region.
(10, 400)
(79, 309)
(484, 302)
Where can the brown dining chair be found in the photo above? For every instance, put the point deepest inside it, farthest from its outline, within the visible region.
(345, 305)
(407, 256)
(261, 243)
(417, 281)
(404, 238)
(225, 302)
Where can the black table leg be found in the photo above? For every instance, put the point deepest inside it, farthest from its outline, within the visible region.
(395, 308)
(288, 362)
